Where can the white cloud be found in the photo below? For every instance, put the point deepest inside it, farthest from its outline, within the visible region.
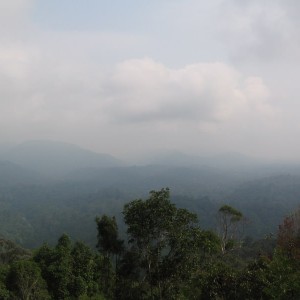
(144, 90)
(136, 90)
(95, 87)
(14, 18)
(264, 31)
(76, 101)
(12, 10)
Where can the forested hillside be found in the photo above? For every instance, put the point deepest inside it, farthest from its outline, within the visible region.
(37, 208)
(32, 214)
(165, 254)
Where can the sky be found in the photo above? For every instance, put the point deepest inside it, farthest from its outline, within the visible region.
(135, 77)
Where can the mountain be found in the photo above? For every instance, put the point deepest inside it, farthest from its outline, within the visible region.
(57, 158)
(35, 209)
(172, 158)
(229, 160)
(181, 180)
(266, 201)
(32, 213)
(12, 174)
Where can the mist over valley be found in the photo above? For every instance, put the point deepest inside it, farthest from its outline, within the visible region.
(48, 188)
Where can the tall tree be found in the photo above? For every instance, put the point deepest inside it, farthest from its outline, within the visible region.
(284, 269)
(83, 270)
(56, 265)
(166, 241)
(288, 238)
(110, 246)
(229, 220)
(109, 243)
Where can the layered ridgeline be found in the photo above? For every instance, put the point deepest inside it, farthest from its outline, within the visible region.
(57, 158)
(47, 188)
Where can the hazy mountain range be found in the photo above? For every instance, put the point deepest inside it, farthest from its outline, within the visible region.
(53, 158)
(57, 159)
(47, 188)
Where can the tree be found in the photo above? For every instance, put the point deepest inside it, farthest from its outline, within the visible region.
(110, 246)
(166, 241)
(25, 281)
(288, 238)
(283, 273)
(83, 271)
(10, 252)
(56, 266)
(149, 224)
(71, 270)
(283, 276)
(229, 220)
(253, 280)
(108, 241)
(4, 292)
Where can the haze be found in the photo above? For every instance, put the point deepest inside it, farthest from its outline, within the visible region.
(135, 77)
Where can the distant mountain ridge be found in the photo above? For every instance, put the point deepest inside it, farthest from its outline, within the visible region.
(57, 158)
(181, 180)
(81, 184)
(223, 160)
(12, 174)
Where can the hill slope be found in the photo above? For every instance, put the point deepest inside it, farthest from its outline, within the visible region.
(57, 158)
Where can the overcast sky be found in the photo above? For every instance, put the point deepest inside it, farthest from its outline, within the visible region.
(136, 76)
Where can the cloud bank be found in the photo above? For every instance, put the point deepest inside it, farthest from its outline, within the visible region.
(217, 77)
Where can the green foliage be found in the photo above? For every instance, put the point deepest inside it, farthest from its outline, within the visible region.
(229, 219)
(32, 214)
(233, 214)
(84, 271)
(4, 292)
(167, 256)
(108, 241)
(284, 277)
(24, 280)
(289, 235)
(167, 243)
(219, 282)
(9, 252)
(95, 297)
(253, 280)
(70, 270)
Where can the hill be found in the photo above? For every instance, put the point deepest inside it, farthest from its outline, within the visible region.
(12, 174)
(57, 158)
